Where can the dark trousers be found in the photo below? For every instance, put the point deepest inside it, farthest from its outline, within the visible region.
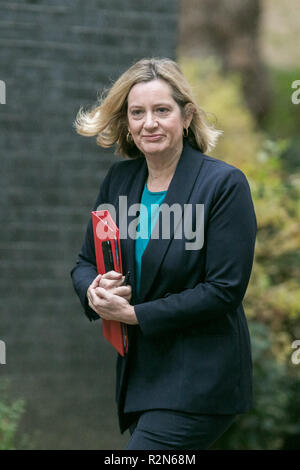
(168, 429)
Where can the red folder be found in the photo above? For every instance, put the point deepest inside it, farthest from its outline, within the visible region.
(108, 257)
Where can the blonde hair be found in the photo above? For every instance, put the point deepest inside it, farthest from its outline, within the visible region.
(108, 118)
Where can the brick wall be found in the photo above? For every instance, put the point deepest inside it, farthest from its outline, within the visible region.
(55, 57)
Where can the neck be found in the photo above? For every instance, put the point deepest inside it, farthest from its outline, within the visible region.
(161, 169)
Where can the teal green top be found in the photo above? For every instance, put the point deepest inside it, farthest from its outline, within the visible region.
(149, 211)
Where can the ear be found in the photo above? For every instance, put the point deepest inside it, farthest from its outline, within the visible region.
(188, 113)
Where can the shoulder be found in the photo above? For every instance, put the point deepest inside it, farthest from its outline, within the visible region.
(117, 179)
(120, 176)
(128, 164)
(220, 168)
(225, 176)
(123, 168)
(126, 167)
(216, 171)
(228, 184)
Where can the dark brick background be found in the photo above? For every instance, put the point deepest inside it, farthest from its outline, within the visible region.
(55, 56)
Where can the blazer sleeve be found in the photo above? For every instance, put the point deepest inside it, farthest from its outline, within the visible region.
(85, 270)
(230, 241)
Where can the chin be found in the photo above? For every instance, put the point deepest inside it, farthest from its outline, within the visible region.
(154, 148)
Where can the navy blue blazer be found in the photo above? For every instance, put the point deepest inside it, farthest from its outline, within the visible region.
(191, 349)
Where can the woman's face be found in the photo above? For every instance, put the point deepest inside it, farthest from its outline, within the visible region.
(155, 119)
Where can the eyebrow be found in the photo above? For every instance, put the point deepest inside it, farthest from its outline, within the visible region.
(156, 104)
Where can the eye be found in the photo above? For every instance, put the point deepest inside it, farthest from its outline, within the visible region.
(162, 110)
(136, 113)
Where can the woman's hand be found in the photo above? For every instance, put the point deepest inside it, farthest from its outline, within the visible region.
(111, 281)
(111, 302)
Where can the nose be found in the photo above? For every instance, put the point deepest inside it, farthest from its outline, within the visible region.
(150, 121)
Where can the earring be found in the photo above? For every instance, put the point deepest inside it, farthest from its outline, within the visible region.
(129, 137)
(185, 132)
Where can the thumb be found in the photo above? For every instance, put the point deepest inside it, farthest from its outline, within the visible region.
(96, 281)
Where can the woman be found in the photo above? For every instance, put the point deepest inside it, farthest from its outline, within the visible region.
(188, 369)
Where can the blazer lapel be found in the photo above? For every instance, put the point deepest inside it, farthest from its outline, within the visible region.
(133, 191)
(179, 191)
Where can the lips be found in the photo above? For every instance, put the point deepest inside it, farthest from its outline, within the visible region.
(152, 137)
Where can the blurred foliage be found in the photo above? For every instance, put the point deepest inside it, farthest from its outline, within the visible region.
(272, 420)
(272, 302)
(10, 415)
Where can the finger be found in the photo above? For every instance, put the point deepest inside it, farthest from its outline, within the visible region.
(89, 300)
(103, 293)
(109, 283)
(123, 291)
(92, 305)
(89, 296)
(93, 298)
(96, 281)
(97, 303)
(112, 275)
